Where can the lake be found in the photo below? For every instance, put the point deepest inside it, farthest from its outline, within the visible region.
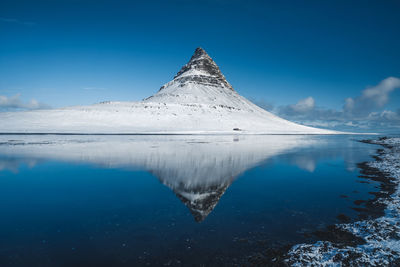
(173, 200)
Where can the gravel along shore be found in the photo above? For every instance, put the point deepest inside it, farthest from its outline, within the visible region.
(375, 239)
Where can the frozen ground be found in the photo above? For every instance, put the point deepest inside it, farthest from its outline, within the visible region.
(377, 241)
(151, 117)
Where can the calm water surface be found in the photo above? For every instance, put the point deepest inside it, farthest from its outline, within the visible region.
(170, 200)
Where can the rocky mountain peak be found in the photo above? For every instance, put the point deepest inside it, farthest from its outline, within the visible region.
(201, 69)
(198, 53)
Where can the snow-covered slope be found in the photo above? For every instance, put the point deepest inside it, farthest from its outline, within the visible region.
(197, 100)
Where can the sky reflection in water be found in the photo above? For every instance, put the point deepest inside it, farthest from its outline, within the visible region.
(107, 200)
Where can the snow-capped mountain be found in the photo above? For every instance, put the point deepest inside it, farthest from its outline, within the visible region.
(198, 100)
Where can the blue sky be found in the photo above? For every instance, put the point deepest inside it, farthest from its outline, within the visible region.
(296, 58)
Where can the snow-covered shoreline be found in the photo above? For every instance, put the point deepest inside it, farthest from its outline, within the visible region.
(378, 239)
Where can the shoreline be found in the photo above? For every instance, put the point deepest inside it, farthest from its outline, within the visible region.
(198, 133)
(374, 240)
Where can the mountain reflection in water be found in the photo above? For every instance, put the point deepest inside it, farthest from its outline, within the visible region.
(198, 169)
(87, 200)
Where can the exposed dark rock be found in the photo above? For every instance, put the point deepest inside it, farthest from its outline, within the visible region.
(201, 207)
(211, 74)
(339, 236)
(343, 218)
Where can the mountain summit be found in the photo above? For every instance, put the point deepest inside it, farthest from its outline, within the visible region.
(198, 100)
(200, 81)
(201, 69)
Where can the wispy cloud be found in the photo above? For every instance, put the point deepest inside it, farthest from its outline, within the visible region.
(372, 98)
(366, 111)
(17, 21)
(15, 103)
(94, 88)
(303, 106)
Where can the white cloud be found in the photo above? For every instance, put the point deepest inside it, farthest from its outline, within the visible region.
(15, 102)
(385, 115)
(304, 105)
(373, 97)
(364, 111)
(380, 94)
(348, 103)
